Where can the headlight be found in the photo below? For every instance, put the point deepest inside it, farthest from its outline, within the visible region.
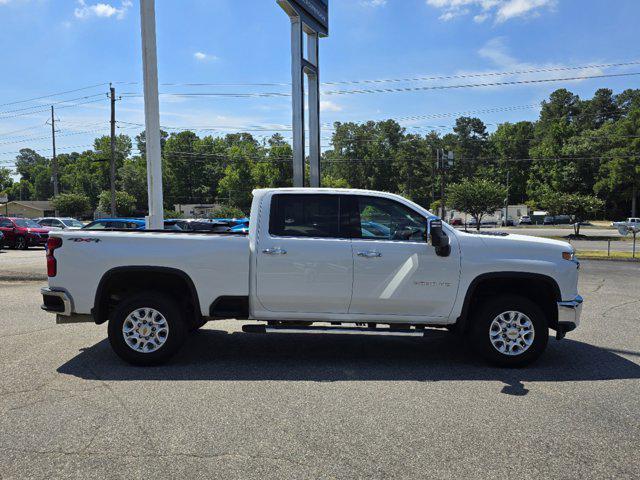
(571, 256)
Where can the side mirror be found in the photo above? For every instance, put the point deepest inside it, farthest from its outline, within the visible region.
(439, 238)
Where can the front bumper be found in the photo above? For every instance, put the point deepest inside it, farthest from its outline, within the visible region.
(568, 316)
(37, 240)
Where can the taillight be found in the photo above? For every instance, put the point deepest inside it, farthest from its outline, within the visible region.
(52, 244)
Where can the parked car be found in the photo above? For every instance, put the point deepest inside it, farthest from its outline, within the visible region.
(57, 223)
(629, 225)
(116, 224)
(525, 220)
(307, 259)
(507, 223)
(455, 221)
(1, 240)
(548, 220)
(188, 225)
(23, 233)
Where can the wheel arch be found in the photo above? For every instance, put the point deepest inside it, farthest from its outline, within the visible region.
(173, 281)
(540, 288)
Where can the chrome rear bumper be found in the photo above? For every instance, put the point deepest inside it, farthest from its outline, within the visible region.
(56, 301)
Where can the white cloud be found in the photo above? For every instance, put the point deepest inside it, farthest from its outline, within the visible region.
(204, 57)
(373, 3)
(500, 10)
(500, 60)
(329, 106)
(101, 10)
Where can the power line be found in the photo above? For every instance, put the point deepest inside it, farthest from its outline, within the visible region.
(384, 90)
(53, 103)
(53, 94)
(402, 79)
(47, 109)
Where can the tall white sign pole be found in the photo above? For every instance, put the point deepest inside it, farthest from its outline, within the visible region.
(155, 220)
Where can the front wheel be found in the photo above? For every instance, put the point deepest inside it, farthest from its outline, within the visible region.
(510, 331)
(21, 243)
(146, 329)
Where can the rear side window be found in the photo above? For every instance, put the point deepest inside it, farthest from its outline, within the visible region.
(305, 215)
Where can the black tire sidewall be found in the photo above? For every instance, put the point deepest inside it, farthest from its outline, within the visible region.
(169, 309)
(494, 307)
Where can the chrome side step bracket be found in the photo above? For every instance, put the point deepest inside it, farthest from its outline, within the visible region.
(333, 330)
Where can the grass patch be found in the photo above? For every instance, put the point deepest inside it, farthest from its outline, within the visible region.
(602, 255)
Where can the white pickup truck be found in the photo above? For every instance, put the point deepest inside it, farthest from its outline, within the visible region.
(318, 260)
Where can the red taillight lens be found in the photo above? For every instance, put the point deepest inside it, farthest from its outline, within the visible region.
(52, 266)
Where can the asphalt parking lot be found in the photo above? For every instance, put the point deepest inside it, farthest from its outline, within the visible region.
(235, 405)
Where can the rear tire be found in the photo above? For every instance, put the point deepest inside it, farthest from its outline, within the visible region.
(147, 329)
(509, 331)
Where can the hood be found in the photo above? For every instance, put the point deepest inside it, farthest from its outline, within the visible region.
(37, 230)
(521, 246)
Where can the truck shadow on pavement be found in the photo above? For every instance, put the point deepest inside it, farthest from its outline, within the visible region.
(221, 356)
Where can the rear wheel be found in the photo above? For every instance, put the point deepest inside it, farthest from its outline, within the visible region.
(510, 331)
(147, 329)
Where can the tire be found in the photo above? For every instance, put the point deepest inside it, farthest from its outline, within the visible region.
(195, 326)
(135, 316)
(21, 243)
(509, 331)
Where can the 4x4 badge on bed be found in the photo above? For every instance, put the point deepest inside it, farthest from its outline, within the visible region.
(89, 240)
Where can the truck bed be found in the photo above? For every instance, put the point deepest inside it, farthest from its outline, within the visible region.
(217, 263)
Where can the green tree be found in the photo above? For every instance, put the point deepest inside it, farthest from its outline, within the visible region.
(226, 211)
(5, 179)
(125, 203)
(476, 197)
(72, 204)
(578, 207)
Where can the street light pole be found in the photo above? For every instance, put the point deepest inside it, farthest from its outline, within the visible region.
(155, 220)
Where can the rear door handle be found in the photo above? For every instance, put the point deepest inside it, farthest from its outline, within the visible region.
(274, 251)
(369, 254)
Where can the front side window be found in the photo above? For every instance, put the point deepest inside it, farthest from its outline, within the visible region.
(385, 219)
(305, 215)
(6, 224)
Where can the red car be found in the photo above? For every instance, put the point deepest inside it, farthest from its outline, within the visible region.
(23, 233)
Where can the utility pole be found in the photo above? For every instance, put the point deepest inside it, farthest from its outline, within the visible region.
(506, 199)
(54, 160)
(442, 181)
(155, 220)
(112, 170)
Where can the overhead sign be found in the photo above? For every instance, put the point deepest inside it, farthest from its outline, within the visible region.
(314, 13)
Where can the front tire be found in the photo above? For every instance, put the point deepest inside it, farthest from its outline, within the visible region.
(509, 331)
(147, 329)
(22, 243)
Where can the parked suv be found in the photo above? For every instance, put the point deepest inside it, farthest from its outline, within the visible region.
(60, 223)
(23, 233)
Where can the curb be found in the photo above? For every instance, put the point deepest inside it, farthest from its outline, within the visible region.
(610, 259)
(22, 277)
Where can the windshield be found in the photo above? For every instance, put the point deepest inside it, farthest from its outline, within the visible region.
(27, 223)
(72, 222)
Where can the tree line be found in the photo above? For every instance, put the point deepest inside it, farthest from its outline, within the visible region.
(587, 148)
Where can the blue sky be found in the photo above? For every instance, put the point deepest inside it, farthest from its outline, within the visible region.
(58, 45)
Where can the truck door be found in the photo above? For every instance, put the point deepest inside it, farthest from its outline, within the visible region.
(304, 261)
(395, 271)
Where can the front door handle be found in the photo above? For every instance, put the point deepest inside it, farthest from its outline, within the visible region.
(274, 251)
(369, 254)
